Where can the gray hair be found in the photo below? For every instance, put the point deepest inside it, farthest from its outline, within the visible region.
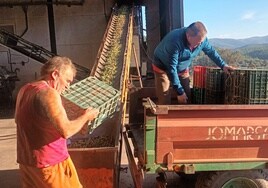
(57, 63)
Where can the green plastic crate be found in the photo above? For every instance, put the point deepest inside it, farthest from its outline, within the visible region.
(214, 79)
(214, 90)
(258, 84)
(247, 86)
(236, 87)
(198, 95)
(91, 92)
(214, 97)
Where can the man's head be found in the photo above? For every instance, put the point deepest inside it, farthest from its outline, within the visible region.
(195, 33)
(59, 72)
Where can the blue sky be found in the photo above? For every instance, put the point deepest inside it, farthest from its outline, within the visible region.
(236, 19)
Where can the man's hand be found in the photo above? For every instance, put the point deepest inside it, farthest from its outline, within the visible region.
(92, 113)
(227, 69)
(182, 99)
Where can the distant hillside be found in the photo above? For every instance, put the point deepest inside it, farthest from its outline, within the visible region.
(246, 57)
(255, 51)
(237, 43)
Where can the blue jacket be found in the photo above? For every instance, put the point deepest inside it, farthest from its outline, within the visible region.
(174, 56)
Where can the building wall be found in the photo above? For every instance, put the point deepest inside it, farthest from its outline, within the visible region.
(79, 31)
(153, 29)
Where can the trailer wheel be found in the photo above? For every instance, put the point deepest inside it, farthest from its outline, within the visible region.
(188, 177)
(232, 179)
(161, 180)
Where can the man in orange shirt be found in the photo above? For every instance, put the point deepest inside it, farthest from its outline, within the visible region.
(43, 127)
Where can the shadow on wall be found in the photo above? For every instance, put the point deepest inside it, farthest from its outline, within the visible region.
(9, 179)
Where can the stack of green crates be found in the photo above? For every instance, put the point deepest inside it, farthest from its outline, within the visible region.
(214, 93)
(247, 86)
(94, 93)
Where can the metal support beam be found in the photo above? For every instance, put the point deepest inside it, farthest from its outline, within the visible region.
(171, 15)
(52, 33)
(177, 14)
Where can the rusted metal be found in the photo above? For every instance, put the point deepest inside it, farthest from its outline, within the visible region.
(99, 166)
(95, 167)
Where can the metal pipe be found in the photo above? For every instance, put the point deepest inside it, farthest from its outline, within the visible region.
(104, 9)
(25, 10)
(51, 23)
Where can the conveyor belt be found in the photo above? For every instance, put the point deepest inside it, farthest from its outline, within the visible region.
(34, 51)
(109, 64)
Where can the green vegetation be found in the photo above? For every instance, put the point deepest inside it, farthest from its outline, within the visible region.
(244, 58)
(255, 51)
(113, 54)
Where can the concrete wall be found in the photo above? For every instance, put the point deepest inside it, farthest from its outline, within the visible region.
(79, 32)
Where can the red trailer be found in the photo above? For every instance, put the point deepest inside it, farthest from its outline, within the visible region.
(225, 145)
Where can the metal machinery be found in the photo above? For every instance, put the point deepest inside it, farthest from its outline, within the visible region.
(98, 165)
(218, 142)
(223, 145)
(8, 79)
(7, 82)
(33, 51)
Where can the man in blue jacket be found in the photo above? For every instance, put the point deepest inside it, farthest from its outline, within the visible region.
(173, 56)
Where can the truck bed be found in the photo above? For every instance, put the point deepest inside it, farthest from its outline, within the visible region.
(208, 137)
(217, 133)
